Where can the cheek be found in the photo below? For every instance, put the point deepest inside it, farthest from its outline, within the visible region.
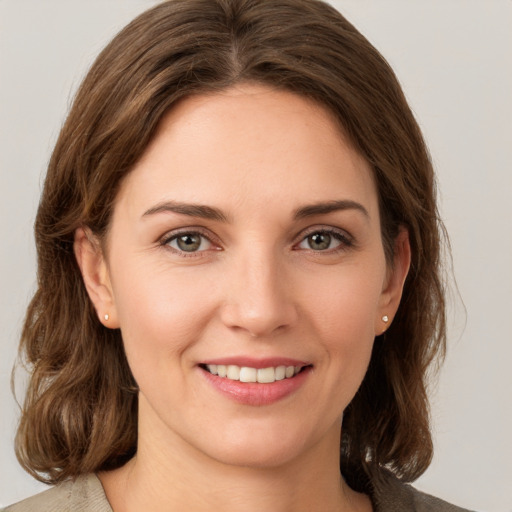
(344, 316)
(347, 301)
(159, 311)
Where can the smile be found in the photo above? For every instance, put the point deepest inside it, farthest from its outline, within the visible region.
(249, 374)
(256, 382)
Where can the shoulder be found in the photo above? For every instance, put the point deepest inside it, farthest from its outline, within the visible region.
(83, 494)
(391, 495)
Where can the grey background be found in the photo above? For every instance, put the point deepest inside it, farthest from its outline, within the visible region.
(454, 59)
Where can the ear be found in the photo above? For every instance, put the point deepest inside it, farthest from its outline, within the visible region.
(93, 266)
(394, 284)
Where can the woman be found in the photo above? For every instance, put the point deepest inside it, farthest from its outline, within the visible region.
(239, 286)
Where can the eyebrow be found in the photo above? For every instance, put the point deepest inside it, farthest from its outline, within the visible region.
(324, 208)
(192, 210)
(212, 213)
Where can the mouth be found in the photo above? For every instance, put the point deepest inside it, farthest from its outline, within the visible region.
(248, 374)
(256, 382)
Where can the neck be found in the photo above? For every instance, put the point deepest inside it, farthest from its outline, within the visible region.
(170, 474)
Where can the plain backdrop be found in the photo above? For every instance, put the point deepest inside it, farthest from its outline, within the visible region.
(454, 59)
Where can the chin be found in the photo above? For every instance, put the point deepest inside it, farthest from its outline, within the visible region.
(260, 448)
(258, 456)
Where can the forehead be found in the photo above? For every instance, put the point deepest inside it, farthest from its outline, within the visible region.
(249, 145)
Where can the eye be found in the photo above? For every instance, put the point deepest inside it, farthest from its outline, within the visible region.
(325, 240)
(188, 242)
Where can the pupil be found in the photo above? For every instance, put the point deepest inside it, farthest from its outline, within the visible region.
(189, 243)
(320, 241)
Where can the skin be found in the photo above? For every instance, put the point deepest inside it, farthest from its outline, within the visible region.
(257, 286)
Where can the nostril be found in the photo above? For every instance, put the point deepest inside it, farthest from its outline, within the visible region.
(259, 320)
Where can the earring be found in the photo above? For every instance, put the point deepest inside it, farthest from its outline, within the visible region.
(385, 319)
(106, 317)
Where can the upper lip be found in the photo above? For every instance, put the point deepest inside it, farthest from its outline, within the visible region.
(251, 362)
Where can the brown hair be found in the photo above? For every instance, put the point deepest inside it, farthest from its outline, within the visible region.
(80, 411)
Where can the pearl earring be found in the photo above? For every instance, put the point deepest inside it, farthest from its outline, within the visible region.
(106, 317)
(385, 319)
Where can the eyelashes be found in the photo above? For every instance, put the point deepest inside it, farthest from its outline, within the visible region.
(190, 242)
(326, 240)
(195, 242)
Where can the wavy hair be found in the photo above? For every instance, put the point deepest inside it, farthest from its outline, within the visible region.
(80, 408)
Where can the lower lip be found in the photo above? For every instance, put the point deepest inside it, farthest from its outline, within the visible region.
(254, 393)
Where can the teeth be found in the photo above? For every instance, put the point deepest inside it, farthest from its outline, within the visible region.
(280, 372)
(248, 374)
(233, 372)
(266, 375)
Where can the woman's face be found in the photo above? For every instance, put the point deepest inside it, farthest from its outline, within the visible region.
(247, 240)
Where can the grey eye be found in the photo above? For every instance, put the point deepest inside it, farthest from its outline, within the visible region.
(190, 242)
(320, 241)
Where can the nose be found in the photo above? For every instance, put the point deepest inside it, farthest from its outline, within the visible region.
(259, 296)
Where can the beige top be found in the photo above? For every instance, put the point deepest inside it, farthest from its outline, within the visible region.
(86, 494)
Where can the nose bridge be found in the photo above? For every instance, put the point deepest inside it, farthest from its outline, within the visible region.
(259, 299)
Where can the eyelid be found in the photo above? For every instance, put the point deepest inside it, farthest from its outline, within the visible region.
(192, 230)
(346, 239)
